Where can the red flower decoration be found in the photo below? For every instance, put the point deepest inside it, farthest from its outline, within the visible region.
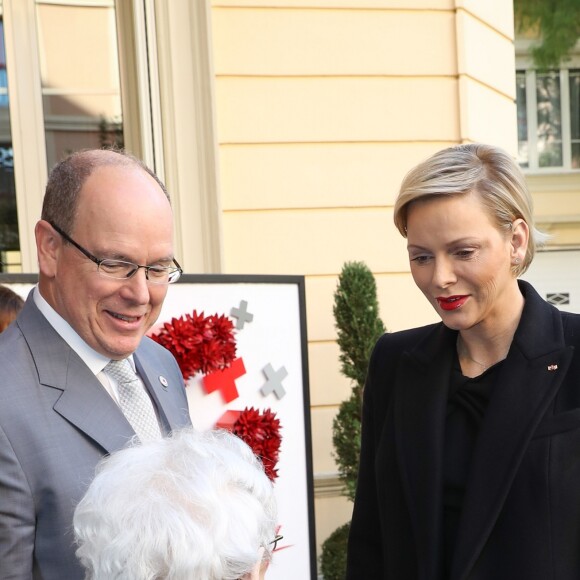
(198, 342)
(261, 431)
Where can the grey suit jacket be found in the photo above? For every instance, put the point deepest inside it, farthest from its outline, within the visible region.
(56, 422)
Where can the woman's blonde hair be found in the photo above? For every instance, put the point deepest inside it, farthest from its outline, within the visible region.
(483, 169)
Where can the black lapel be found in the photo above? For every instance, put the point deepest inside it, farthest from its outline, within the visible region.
(420, 409)
(526, 384)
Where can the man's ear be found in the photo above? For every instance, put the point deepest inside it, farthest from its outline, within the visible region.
(520, 238)
(48, 248)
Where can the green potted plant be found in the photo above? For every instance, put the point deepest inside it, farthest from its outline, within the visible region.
(356, 314)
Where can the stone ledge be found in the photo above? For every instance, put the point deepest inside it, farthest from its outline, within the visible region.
(327, 485)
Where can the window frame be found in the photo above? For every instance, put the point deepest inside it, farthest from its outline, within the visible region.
(157, 118)
(525, 65)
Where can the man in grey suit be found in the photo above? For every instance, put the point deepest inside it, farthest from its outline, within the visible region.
(105, 255)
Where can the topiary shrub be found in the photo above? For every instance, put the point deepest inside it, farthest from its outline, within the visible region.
(356, 314)
(333, 559)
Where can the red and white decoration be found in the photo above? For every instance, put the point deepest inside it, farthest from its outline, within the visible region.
(240, 348)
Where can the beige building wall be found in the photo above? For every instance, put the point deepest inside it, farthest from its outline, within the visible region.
(557, 207)
(321, 108)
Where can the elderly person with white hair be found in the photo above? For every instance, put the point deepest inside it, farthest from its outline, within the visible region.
(191, 506)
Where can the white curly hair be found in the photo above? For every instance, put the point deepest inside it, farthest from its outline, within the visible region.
(193, 505)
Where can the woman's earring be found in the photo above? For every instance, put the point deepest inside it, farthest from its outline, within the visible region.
(517, 261)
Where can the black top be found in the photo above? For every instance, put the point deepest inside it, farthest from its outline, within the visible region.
(466, 406)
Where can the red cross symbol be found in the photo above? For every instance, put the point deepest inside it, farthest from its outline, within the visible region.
(224, 381)
(228, 419)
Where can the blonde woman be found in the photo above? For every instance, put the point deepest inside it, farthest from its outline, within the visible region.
(470, 461)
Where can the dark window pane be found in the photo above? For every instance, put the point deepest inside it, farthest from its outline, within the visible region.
(521, 98)
(9, 240)
(575, 118)
(574, 81)
(549, 119)
(575, 155)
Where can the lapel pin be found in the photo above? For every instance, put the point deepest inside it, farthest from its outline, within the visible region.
(552, 367)
(163, 382)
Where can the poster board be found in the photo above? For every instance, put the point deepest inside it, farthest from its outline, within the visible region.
(270, 317)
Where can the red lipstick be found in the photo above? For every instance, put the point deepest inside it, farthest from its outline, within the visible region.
(451, 302)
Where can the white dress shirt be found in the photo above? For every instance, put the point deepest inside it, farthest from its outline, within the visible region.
(94, 360)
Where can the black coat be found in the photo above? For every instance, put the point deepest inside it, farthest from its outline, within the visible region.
(521, 511)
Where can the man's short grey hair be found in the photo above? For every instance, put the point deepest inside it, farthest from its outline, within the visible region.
(67, 178)
(191, 506)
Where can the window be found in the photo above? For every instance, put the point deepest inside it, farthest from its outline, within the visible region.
(59, 92)
(548, 109)
(85, 73)
(9, 240)
(79, 75)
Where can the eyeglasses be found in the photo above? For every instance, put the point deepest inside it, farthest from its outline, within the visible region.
(274, 542)
(121, 270)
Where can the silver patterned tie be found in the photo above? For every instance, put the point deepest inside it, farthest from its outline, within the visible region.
(134, 401)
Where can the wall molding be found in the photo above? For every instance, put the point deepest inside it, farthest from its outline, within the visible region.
(327, 484)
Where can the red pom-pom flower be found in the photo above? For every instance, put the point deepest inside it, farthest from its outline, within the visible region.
(198, 342)
(261, 431)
